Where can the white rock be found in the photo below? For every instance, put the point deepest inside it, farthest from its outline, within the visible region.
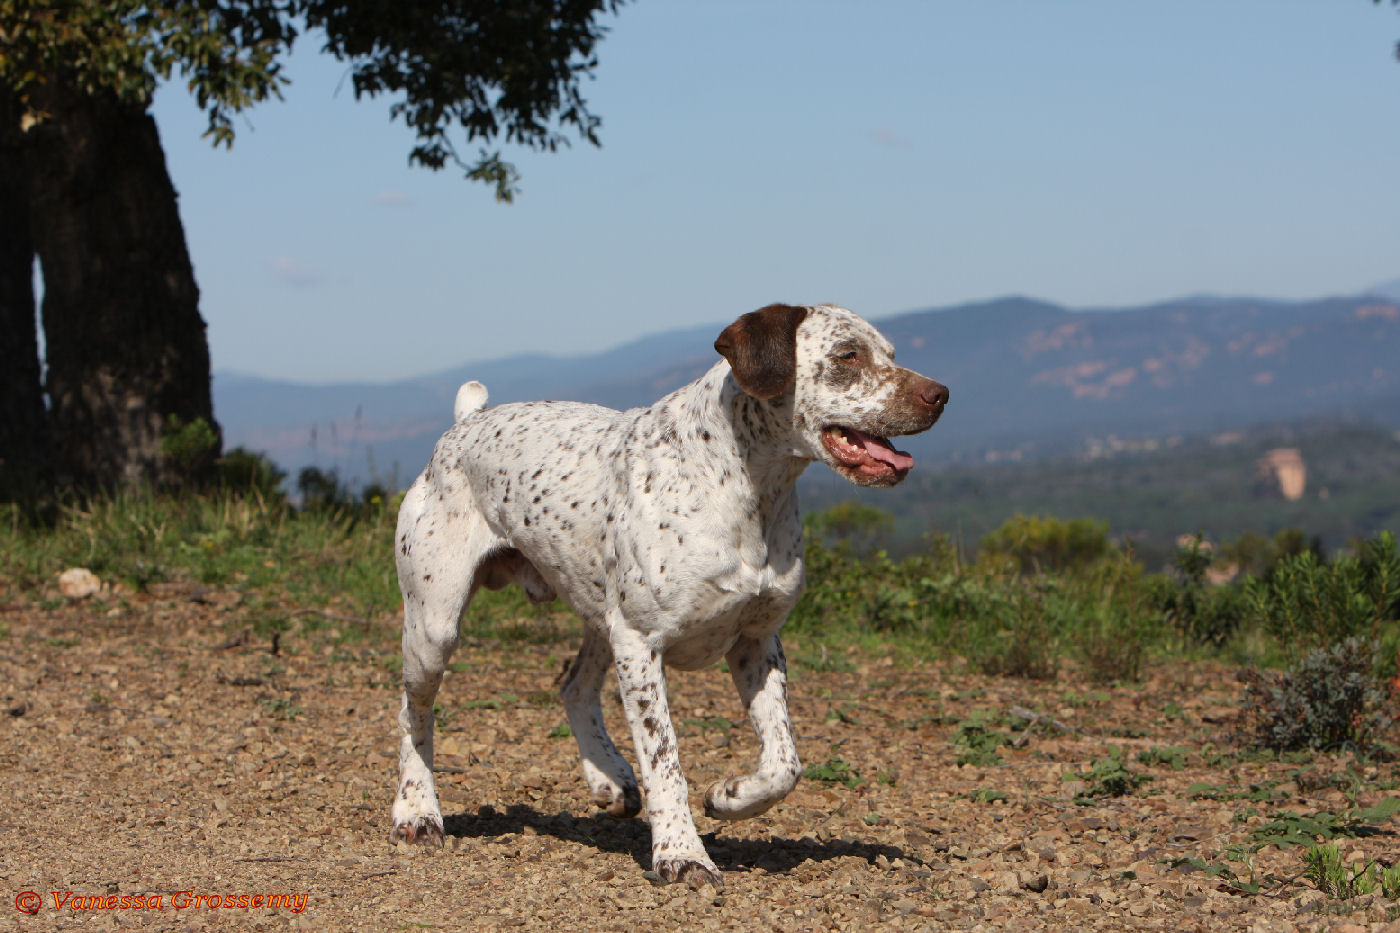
(78, 583)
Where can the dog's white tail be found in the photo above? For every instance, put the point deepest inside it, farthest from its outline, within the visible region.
(471, 397)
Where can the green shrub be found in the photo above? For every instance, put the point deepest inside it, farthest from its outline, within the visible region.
(1036, 544)
(852, 523)
(1308, 604)
(189, 450)
(1017, 641)
(1329, 700)
(1114, 616)
(1201, 612)
(243, 471)
(1255, 555)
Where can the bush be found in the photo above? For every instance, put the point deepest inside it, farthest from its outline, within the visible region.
(1113, 648)
(1203, 613)
(1114, 615)
(242, 471)
(1329, 700)
(1308, 604)
(858, 526)
(189, 450)
(1252, 554)
(1044, 545)
(1010, 633)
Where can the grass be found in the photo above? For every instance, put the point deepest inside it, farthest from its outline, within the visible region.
(1041, 595)
(338, 559)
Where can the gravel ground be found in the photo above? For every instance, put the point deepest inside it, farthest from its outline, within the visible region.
(147, 753)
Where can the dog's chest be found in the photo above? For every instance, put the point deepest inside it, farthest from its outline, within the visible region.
(725, 573)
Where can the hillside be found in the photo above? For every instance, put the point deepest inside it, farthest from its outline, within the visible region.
(1028, 379)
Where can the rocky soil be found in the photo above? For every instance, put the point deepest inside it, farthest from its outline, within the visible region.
(152, 747)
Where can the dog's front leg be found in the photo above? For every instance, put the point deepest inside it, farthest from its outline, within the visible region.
(760, 672)
(676, 851)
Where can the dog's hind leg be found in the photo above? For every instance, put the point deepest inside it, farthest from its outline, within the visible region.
(611, 782)
(437, 554)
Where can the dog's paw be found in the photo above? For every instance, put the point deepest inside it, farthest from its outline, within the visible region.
(738, 798)
(622, 803)
(424, 831)
(692, 873)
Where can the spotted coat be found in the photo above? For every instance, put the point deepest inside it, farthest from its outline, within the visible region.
(672, 531)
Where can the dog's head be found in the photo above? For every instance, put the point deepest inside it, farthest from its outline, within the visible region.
(836, 372)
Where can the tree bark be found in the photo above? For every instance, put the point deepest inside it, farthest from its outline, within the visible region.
(24, 434)
(125, 343)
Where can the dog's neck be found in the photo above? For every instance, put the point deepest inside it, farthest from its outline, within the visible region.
(761, 435)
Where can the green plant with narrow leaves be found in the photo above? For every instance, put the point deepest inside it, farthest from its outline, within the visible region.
(1308, 603)
(1326, 870)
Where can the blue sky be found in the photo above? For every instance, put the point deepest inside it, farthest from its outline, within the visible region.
(887, 156)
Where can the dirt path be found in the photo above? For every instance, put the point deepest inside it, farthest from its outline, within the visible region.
(144, 755)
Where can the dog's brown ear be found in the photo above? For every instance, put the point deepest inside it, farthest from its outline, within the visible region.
(761, 348)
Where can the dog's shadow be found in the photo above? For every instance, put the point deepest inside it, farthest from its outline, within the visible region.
(633, 838)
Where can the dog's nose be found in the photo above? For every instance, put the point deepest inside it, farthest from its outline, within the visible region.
(934, 395)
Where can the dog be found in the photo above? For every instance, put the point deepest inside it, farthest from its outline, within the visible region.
(673, 531)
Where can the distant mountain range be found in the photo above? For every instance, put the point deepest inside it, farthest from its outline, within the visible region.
(1027, 379)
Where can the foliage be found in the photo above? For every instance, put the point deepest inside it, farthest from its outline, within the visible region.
(1308, 604)
(1037, 544)
(190, 449)
(1296, 829)
(507, 71)
(491, 69)
(321, 490)
(258, 544)
(1015, 643)
(227, 52)
(1111, 777)
(850, 523)
(1117, 617)
(1324, 868)
(1329, 700)
(1256, 555)
(1204, 614)
(1002, 622)
(243, 472)
(977, 741)
(834, 770)
(1172, 756)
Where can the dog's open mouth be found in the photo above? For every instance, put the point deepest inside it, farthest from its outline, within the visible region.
(865, 454)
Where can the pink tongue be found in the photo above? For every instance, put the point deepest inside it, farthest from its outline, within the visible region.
(880, 449)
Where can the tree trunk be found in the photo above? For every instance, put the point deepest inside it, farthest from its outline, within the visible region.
(24, 435)
(125, 342)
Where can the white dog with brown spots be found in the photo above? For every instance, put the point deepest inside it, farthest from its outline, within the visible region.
(672, 531)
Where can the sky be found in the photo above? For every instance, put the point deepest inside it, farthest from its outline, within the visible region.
(888, 156)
